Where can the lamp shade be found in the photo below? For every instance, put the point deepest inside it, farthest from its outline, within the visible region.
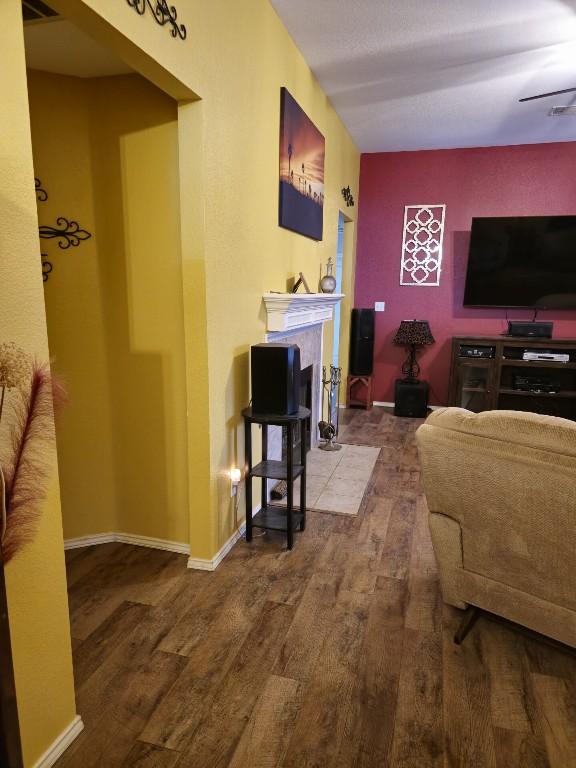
(415, 332)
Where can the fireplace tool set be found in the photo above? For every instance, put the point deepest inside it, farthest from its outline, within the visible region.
(331, 396)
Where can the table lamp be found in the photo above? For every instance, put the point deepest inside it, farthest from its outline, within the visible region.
(413, 334)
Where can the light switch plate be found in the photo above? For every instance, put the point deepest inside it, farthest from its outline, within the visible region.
(379, 306)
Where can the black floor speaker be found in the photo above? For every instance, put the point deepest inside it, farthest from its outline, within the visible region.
(362, 342)
(411, 398)
(275, 372)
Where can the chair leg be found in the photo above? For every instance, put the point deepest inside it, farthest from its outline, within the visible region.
(470, 618)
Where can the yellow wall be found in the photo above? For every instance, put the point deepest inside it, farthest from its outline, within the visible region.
(114, 304)
(135, 155)
(74, 303)
(236, 58)
(36, 585)
(246, 253)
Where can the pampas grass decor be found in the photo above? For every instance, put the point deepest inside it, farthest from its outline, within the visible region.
(30, 457)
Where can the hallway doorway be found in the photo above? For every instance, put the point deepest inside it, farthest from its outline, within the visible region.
(339, 260)
(106, 162)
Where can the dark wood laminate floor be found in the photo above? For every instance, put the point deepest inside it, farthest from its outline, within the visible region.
(338, 654)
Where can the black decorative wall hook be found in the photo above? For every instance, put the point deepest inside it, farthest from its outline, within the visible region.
(68, 233)
(347, 195)
(162, 13)
(41, 194)
(46, 267)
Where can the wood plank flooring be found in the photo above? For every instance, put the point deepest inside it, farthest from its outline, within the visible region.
(338, 654)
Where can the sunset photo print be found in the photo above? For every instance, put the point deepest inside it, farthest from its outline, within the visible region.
(301, 203)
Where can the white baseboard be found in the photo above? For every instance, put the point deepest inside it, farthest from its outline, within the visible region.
(211, 565)
(61, 744)
(127, 538)
(89, 541)
(391, 405)
(169, 546)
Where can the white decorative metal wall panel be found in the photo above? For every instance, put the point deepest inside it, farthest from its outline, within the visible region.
(422, 244)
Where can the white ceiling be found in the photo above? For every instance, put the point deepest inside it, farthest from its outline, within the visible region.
(60, 47)
(429, 74)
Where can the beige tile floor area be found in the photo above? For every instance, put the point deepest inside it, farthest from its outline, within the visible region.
(337, 479)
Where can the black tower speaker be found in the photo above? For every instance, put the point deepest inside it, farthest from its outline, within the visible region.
(411, 398)
(362, 342)
(275, 378)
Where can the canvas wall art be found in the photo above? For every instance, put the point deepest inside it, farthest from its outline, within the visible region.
(301, 203)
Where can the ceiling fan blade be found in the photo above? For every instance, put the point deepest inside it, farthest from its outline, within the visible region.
(543, 95)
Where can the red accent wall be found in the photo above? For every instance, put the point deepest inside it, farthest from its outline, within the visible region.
(526, 180)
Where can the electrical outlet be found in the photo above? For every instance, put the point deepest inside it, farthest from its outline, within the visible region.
(235, 480)
(379, 306)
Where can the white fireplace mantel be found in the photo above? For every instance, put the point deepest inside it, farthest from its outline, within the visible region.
(286, 311)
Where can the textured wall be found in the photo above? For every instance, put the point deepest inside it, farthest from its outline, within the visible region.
(247, 253)
(114, 304)
(492, 181)
(74, 302)
(236, 58)
(35, 579)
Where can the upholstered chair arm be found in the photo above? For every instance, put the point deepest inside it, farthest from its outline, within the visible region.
(447, 542)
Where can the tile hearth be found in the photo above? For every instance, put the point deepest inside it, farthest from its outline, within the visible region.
(337, 480)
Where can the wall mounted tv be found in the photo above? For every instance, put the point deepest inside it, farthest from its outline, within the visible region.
(522, 261)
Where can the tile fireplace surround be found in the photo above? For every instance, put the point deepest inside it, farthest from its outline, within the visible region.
(310, 342)
(299, 319)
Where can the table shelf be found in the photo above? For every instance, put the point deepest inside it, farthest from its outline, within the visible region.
(275, 518)
(276, 470)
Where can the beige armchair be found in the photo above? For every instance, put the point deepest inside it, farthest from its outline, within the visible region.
(501, 490)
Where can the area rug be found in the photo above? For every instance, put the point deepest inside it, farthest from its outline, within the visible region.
(337, 480)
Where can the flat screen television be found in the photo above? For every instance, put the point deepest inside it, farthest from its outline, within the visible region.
(522, 261)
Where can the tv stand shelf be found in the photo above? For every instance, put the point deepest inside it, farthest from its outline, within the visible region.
(537, 363)
(506, 381)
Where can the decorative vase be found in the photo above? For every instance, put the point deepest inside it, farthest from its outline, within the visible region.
(328, 282)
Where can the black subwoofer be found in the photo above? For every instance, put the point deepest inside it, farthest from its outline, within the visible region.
(362, 342)
(275, 378)
(411, 398)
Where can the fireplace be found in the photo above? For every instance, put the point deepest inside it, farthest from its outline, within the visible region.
(306, 384)
(309, 339)
(298, 318)
(306, 379)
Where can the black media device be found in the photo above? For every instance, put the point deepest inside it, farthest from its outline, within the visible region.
(275, 372)
(525, 328)
(362, 342)
(522, 261)
(411, 398)
(476, 352)
(528, 383)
